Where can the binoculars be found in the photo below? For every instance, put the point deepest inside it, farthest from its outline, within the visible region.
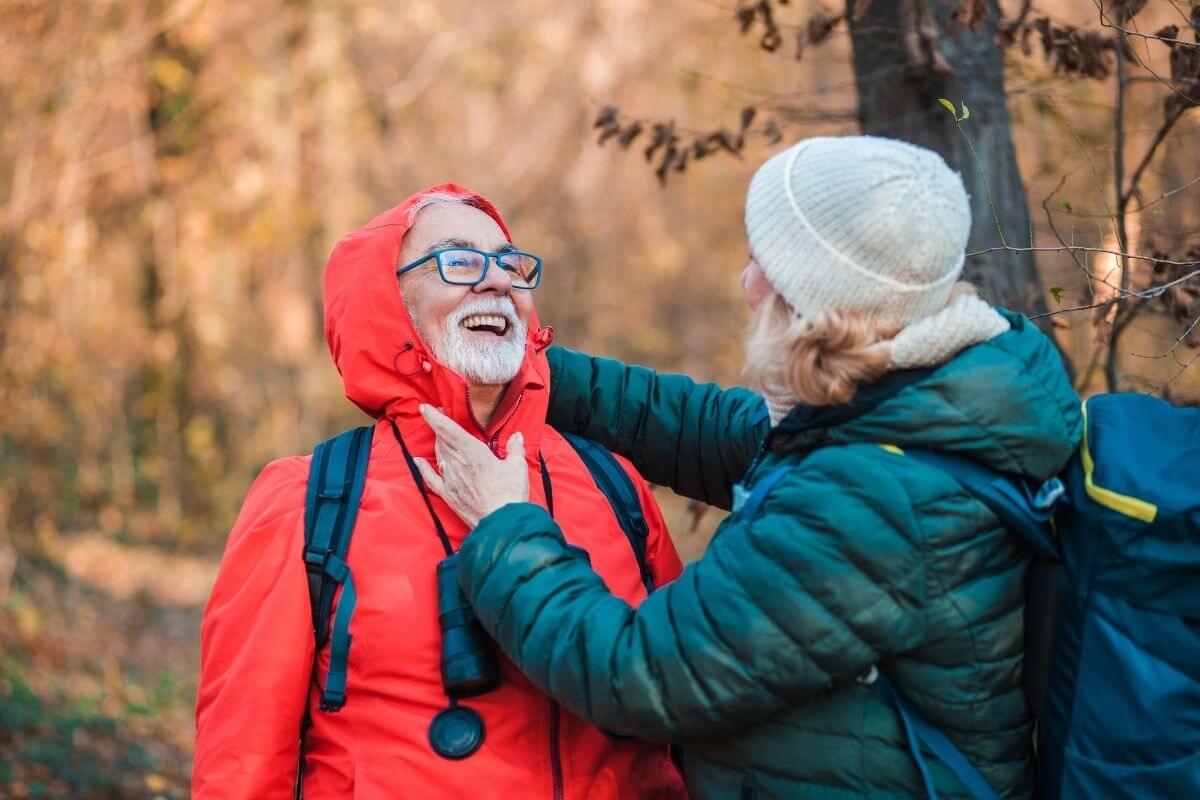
(469, 665)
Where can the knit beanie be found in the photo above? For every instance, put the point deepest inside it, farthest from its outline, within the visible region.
(872, 225)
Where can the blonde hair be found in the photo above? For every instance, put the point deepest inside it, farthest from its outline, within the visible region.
(822, 362)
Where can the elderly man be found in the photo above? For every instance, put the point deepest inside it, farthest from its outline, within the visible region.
(430, 304)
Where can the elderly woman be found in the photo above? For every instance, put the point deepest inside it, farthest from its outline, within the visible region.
(848, 573)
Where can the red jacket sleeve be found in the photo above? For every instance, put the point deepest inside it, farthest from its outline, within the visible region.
(256, 648)
(660, 550)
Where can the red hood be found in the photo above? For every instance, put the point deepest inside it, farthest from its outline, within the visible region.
(385, 366)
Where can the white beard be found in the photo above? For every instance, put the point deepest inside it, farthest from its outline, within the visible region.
(485, 363)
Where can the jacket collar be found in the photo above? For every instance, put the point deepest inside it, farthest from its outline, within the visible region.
(807, 427)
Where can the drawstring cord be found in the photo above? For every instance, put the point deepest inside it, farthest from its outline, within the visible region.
(547, 488)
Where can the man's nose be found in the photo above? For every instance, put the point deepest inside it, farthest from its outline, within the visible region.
(497, 279)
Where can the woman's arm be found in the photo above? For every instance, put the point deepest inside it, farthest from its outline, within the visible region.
(695, 438)
(780, 608)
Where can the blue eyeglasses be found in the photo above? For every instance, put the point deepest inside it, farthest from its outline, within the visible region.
(462, 266)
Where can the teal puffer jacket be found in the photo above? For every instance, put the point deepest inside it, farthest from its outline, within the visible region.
(858, 557)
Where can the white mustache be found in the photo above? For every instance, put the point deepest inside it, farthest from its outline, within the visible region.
(491, 305)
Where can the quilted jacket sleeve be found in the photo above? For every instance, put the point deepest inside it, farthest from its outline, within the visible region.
(693, 437)
(825, 582)
(256, 648)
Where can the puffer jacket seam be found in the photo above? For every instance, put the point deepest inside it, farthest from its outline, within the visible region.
(975, 668)
(1065, 411)
(516, 587)
(773, 558)
(672, 722)
(708, 699)
(1010, 657)
(984, 435)
(837, 537)
(806, 646)
(739, 587)
(1016, 561)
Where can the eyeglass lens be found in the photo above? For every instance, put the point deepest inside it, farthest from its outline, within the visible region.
(466, 267)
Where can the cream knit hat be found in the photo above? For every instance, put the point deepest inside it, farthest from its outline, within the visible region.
(878, 226)
(859, 223)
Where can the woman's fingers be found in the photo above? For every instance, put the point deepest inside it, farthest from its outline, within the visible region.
(469, 476)
(433, 481)
(516, 450)
(447, 430)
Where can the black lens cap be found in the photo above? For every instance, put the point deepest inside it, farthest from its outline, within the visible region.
(456, 732)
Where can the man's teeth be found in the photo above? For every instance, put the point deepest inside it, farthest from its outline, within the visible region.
(494, 323)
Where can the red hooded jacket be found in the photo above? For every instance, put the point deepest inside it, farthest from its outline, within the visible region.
(256, 657)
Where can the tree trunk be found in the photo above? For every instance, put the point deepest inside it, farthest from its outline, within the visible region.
(904, 61)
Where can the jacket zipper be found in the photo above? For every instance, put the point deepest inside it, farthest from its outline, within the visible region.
(494, 441)
(556, 771)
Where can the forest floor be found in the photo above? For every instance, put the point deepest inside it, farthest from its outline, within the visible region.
(99, 644)
(99, 648)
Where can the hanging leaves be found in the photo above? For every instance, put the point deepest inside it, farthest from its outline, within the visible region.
(627, 136)
(819, 26)
(1070, 50)
(1180, 302)
(1169, 32)
(745, 16)
(664, 132)
(967, 14)
(749, 11)
(608, 124)
(772, 132)
(744, 124)
(1185, 70)
(670, 151)
(1074, 51)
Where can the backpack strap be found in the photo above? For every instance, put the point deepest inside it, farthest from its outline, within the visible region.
(746, 502)
(919, 731)
(614, 482)
(1024, 508)
(335, 485)
(1028, 511)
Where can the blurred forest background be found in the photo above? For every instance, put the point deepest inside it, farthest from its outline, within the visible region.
(173, 174)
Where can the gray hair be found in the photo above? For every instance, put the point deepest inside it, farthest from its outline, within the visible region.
(438, 199)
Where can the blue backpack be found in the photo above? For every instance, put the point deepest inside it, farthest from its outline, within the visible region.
(1112, 661)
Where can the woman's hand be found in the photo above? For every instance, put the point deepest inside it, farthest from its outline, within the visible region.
(473, 481)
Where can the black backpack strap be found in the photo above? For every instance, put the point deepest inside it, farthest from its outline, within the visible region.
(615, 483)
(335, 484)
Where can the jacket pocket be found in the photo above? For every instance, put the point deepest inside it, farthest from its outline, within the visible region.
(1087, 777)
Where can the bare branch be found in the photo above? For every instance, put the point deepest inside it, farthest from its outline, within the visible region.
(1159, 137)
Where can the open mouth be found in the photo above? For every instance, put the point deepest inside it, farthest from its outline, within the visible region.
(486, 323)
